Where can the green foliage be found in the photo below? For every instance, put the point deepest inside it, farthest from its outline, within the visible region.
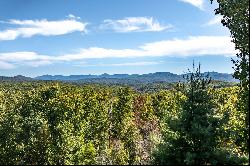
(54, 123)
(196, 136)
(236, 18)
(232, 126)
(59, 123)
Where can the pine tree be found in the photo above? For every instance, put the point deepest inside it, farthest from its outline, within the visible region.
(195, 131)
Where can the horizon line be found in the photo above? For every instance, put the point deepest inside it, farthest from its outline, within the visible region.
(107, 74)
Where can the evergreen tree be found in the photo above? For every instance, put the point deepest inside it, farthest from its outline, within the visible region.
(194, 141)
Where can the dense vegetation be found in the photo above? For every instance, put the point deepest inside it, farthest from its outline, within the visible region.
(194, 122)
(61, 123)
(236, 18)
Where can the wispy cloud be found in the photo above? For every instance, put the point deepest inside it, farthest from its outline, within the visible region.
(146, 63)
(12, 59)
(29, 28)
(215, 20)
(71, 16)
(37, 63)
(191, 46)
(134, 24)
(135, 64)
(6, 65)
(23, 56)
(197, 3)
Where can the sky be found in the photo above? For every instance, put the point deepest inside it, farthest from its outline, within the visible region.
(75, 37)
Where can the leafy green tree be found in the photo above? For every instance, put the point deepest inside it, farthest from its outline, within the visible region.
(232, 126)
(123, 128)
(236, 18)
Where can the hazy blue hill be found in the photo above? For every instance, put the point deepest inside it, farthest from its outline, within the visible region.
(15, 78)
(151, 82)
(221, 76)
(65, 78)
(134, 78)
(157, 77)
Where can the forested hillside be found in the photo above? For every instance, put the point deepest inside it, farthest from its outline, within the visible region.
(60, 123)
(150, 119)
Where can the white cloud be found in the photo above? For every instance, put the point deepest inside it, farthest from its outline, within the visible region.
(197, 3)
(191, 46)
(29, 28)
(134, 24)
(71, 16)
(23, 56)
(215, 20)
(6, 65)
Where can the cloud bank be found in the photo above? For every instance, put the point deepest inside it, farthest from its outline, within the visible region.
(191, 46)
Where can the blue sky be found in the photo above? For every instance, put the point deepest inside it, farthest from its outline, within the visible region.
(109, 36)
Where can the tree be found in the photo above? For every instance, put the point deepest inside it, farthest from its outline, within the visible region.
(236, 18)
(195, 132)
(198, 135)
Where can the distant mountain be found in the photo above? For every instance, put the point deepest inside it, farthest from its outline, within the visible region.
(157, 77)
(17, 78)
(221, 76)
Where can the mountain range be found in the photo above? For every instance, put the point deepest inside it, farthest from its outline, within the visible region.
(157, 77)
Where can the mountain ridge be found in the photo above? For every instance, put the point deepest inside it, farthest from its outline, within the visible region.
(140, 78)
